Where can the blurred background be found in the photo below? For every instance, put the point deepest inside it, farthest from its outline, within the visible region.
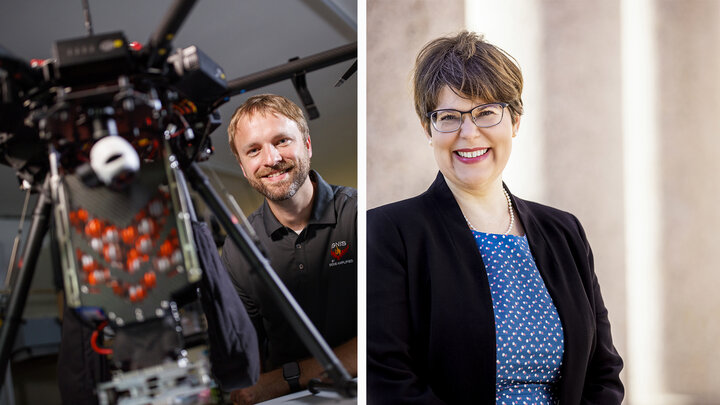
(621, 128)
(243, 37)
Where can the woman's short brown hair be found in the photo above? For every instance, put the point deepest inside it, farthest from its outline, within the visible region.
(471, 67)
(267, 104)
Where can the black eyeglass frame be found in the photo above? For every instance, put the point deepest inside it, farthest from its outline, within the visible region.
(502, 115)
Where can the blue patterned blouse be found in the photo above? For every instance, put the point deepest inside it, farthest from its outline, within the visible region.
(528, 332)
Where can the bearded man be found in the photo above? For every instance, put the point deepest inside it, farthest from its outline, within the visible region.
(308, 229)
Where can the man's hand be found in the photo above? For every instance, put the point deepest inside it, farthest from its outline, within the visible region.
(244, 396)
(272, 384)
(346, 353)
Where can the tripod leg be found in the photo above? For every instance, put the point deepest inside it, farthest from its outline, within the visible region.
(18, 297)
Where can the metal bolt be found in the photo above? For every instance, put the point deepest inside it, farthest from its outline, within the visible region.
(128, 104)
(195, 272)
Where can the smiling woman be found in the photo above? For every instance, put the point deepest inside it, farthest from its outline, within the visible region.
(471, 152)
(469, 305)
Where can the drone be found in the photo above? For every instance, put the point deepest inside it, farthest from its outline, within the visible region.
(108, 133)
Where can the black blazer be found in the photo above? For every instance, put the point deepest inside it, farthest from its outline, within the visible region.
(430, 320)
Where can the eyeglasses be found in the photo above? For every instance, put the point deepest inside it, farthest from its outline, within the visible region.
(484, 115)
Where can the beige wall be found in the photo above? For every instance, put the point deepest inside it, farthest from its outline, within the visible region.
(575, 152)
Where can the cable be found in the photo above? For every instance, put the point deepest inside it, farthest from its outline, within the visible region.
(93, 340)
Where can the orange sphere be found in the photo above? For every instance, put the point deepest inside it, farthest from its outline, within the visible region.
(144, 244)
(149, 279)
(73, 216)
(82, 215)
(93, 228)
(88, 264)
(128, 235)
(166, 248)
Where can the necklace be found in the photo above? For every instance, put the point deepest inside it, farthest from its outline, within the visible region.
(510, 210)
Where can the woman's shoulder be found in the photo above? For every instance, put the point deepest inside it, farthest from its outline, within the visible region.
(400, 211)
(437, 196)
(545, 214)
(402, 225)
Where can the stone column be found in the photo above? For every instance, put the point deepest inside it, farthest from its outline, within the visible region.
(400, 163)
(688, 111)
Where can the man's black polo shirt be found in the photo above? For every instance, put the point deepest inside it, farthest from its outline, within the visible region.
(318, 266)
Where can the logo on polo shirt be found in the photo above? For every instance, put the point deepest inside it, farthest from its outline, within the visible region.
(337, 251)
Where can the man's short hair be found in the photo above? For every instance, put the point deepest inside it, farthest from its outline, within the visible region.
(471, 67)
(267, 104)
